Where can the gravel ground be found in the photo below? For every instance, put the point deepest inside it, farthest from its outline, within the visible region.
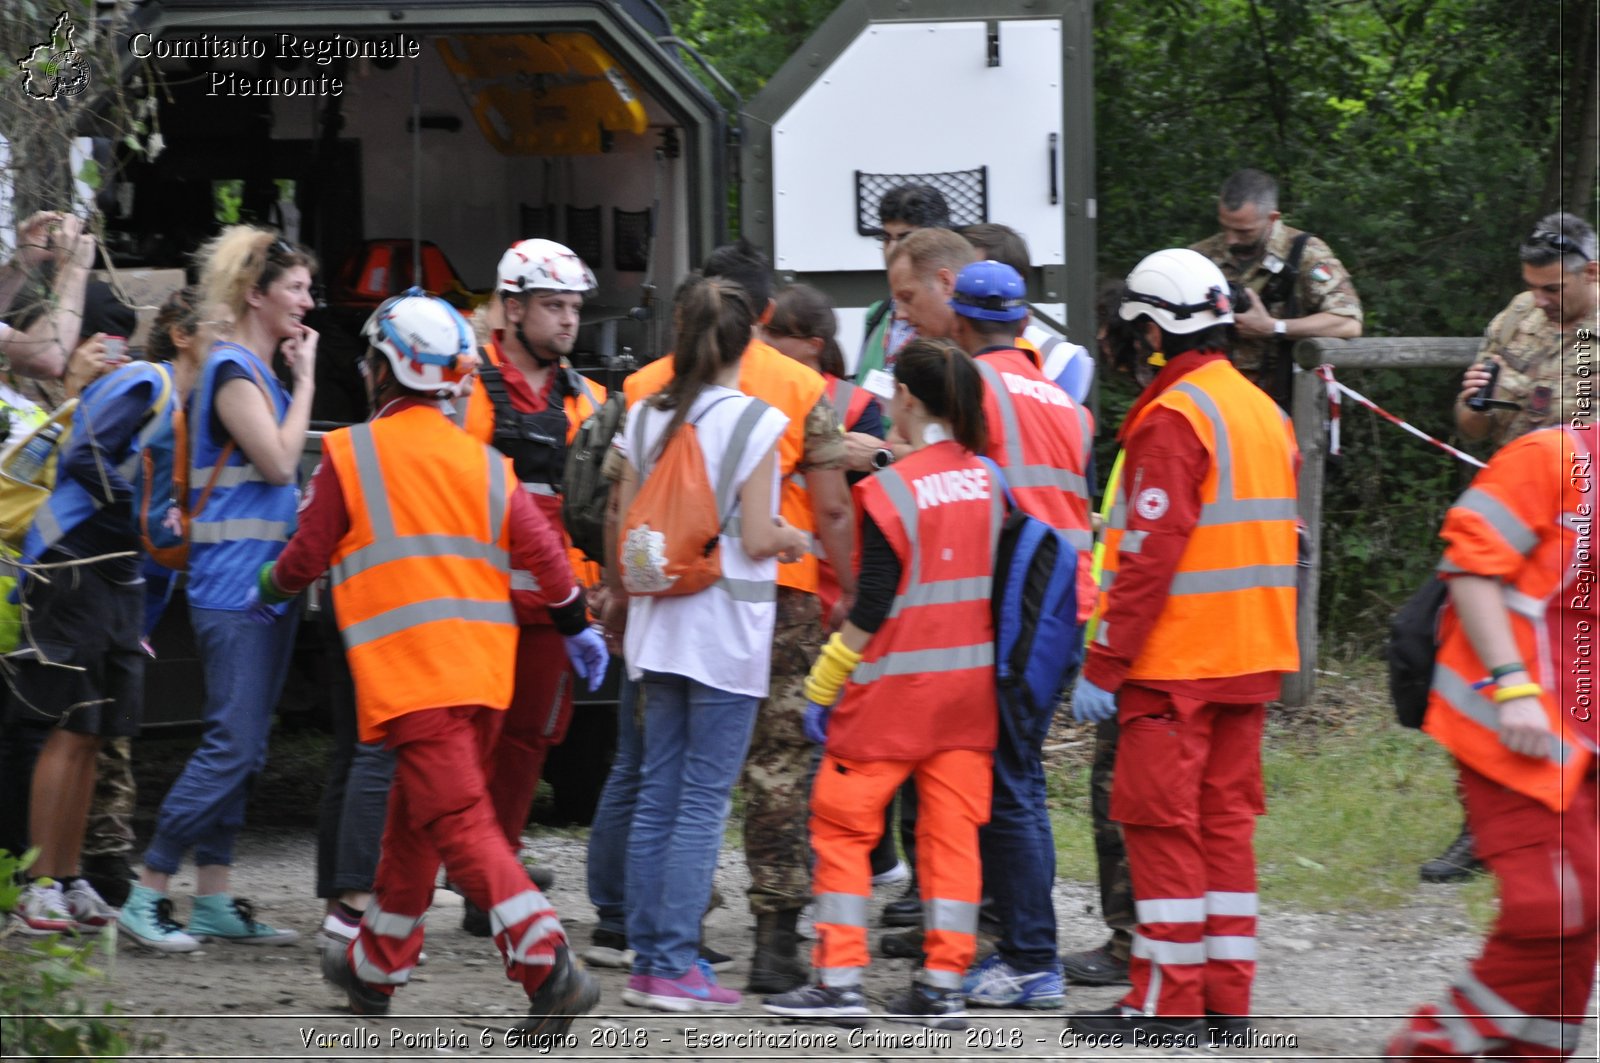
(1334, 984)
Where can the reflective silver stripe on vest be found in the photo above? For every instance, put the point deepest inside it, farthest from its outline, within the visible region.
(1246, 510)
(458, 411)
(843, 392)
(1215, 580)
(1515, 1023)
(748, 590)
(732, 526)
(1231, 904)
(914, 662)
(958, 917)
(426, 612)
(1131, 542)
(221, 531)
(1499, 516)
(841, 909)
(389, 924)
(1019, 474)
(1480, 710)
(1082, 539)
(1169, 952)
(499, 496)
(369, 472)
(944, 592)
(384, 551)
(46, 525)
(1170, 910)
(1230, 947)
(523, 580)
(227, 476)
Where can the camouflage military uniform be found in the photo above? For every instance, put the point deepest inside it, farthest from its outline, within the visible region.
(1111, 856)
(1549, 371)
(1322, 287)
(777, 771)
(110, 828)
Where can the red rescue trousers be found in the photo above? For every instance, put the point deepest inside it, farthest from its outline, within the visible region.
(439, 811)
(1187, 791)
(847, 806)
(1527, 994)
(535, 722)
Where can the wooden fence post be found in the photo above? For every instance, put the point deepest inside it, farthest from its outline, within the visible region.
(1309, 408)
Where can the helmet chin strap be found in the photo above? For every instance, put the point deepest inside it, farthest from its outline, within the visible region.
(536, 353)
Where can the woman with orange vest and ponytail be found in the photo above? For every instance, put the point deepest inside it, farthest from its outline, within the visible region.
(1513, 700)
(912, 672)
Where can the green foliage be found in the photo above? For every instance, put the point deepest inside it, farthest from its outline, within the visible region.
(42, 1012)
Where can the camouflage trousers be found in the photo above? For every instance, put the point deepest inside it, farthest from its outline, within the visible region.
(110, 827)
(1111, 858)
(777, 770)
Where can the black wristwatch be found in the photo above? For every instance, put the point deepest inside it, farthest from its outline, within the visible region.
(882, 458)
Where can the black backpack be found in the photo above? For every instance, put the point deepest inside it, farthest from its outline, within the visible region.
(1413, 645)
(585, 491)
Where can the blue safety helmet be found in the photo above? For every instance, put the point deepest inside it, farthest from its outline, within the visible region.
(992, 291)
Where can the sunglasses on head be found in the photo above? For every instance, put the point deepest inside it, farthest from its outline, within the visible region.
(1560, 242)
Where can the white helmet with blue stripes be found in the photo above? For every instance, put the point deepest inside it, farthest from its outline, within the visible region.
(426, 341)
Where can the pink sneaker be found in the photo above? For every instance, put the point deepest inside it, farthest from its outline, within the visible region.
(695, 991)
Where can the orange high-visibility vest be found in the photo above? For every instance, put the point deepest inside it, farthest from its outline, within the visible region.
(478, 420)
(422, 580)
(926, 678)
(1230, 609)
(1042, 439)
(1532, 501)
(778, 380)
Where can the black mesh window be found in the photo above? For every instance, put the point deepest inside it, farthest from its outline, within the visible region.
(966, 192)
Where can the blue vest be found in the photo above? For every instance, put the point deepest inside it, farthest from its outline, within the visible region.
(247, 520)
(72, 502)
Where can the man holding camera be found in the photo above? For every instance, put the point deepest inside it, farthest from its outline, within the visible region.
(1542, 348)
(1300, 288)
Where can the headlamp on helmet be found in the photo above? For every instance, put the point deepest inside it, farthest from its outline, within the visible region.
(425, 340)
(1181, 290)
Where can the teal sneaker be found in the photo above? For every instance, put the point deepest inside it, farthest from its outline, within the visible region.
(225, 918)
(146, 919)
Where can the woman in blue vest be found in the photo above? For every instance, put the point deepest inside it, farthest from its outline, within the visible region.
(246, 435)
(79, 675)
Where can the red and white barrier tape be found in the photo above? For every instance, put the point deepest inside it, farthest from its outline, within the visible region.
(1336, 390)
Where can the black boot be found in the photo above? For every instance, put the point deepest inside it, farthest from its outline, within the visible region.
(776, 967)
(1456, 863)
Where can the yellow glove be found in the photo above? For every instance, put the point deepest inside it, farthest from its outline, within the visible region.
(833, 667)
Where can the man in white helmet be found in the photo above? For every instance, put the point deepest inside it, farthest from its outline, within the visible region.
(422, 527)
(528, 403)
(1202, 541)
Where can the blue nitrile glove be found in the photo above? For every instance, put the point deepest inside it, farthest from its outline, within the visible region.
(815, 722)
(587, 652)
(265, 605)
(1090, 704)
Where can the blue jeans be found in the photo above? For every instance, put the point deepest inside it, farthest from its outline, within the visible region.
(695, 741)
(244, 664)
(1019, 857)
(613, 816)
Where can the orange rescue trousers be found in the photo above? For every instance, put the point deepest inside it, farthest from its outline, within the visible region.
(439, 811)
(847, 806)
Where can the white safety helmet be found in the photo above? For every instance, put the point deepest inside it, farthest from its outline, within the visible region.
(1181, 290)
(543, 265)
(424, 338)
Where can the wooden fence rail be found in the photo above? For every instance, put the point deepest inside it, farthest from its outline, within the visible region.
(1310, 411)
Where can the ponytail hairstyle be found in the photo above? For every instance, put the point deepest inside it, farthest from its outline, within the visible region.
(945, 379)
(713, 317)
(804, 313)
(180, 311)
(242, 259)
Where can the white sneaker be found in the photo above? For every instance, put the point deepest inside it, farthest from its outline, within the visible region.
(90, 912)
(43, 910)
(898, 873)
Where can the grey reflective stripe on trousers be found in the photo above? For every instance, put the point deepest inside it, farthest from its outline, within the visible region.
(1236, 947)
(1168, 952)
(390, 925)
(1019, 474)
(958, 917)
(1499, 516)
(943, 592)
(841, 909)
(1480, 710)
(1516, 1024)
(370, 972)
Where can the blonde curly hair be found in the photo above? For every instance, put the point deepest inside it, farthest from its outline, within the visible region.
(242, 259)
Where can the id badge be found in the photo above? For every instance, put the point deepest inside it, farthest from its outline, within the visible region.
(879, 383)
